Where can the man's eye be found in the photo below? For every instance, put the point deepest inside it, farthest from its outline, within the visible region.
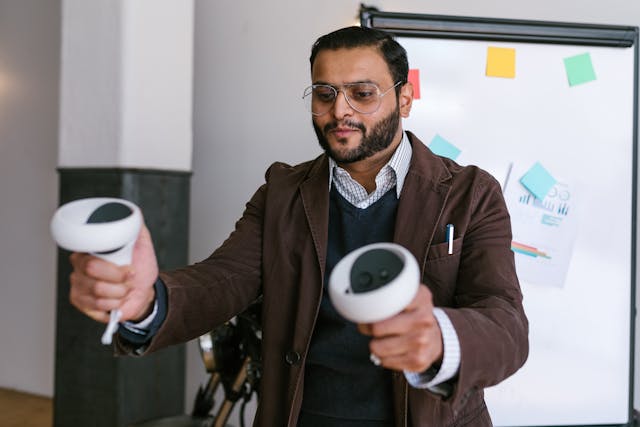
(323, 94)
(362, 94)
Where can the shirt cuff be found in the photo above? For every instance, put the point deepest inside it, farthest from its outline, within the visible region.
(142, 327)
(434, 378)
(140, 333)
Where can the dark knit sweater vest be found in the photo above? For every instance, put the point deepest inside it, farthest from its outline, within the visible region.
(341, 385)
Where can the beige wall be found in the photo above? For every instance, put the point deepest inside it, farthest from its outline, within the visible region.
(29, 59)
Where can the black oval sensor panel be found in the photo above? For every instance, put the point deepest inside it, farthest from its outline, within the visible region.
(374, 269)
(112, 211)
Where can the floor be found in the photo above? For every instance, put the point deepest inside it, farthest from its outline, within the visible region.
(19, 409)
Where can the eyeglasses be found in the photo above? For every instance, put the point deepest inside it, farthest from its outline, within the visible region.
(363, 97)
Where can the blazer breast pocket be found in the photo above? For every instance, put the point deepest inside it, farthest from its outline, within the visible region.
(441, 271)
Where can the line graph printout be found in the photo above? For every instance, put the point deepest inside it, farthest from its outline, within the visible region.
(544, 231)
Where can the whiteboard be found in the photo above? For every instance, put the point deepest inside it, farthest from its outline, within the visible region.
(580, 366)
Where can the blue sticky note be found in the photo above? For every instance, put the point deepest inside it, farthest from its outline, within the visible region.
(442, 147)
(538, 181)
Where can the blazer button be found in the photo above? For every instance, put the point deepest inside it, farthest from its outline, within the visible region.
(292, 357)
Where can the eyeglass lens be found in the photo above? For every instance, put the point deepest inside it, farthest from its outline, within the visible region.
(362, 97)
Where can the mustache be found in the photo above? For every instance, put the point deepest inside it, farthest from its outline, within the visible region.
(347, 123)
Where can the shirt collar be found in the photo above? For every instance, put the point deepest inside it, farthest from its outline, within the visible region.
(399, 163)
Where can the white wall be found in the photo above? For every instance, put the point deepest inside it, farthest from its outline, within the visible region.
(126, 84)
(29, 59)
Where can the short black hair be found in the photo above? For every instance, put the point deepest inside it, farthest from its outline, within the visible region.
(352, 37)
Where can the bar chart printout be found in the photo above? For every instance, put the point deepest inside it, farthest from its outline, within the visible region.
(544, 231)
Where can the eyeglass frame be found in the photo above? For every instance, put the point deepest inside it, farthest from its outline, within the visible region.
(338, 89)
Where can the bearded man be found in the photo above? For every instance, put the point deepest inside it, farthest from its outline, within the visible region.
(426, 366)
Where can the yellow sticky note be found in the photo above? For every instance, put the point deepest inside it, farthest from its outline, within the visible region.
(501, 62)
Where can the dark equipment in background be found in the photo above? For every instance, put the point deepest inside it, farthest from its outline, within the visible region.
(231, 355)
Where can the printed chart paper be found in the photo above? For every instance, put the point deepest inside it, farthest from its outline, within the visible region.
(544, 231)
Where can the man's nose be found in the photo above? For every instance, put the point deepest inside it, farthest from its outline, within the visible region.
(341, 106)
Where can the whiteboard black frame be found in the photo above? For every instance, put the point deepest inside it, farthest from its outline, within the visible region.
(526, 31)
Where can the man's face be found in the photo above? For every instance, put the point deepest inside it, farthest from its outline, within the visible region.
(344, 133)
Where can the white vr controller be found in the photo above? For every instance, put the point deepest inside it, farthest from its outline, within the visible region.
(374, 282)
(105, 227)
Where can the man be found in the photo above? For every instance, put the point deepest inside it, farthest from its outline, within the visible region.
(427, 366)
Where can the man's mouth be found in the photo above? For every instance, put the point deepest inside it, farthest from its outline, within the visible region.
(343, 132)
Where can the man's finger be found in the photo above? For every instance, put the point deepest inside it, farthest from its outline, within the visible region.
(86, 303)
(415, 353)
(390, 346)
(100, 316)
(98, 268)
(403, 323)
(83, 286)
(110, 290)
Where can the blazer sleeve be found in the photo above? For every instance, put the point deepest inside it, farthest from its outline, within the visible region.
(208, 293)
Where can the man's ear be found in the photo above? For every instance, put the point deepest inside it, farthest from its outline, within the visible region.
(405, 99)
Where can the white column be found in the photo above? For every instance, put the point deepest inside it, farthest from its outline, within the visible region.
(125, 112)
(126, 84)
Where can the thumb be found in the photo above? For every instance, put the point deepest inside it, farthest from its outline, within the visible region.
(144, 243)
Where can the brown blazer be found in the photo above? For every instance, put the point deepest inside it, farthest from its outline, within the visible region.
(278, 249)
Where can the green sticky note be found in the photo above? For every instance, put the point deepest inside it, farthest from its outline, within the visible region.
(442, 147)
(538, 181)
(579, 69)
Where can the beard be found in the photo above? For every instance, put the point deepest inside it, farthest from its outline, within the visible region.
(377, 139)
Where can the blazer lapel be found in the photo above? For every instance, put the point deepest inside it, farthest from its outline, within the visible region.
(315, 199)
(422, 200)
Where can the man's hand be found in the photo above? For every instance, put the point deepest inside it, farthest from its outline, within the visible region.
(99, 286)
(410, 340)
